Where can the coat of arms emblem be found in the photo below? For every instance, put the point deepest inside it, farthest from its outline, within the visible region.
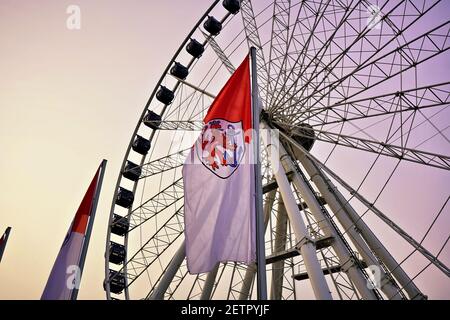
(221, 147)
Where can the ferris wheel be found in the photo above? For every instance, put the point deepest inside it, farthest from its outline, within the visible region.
(359, 95)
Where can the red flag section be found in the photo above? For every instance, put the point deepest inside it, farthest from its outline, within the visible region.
(233, 103)
(84, 211)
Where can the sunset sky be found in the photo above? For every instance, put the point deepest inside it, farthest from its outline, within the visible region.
(70, 98)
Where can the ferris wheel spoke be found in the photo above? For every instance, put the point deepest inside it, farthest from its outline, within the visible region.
(150, 208)
(437, 95)
(373, 73)
(301, 40)
(314, 68)
(191, 101)
(365, 37)
(196, 88)
(220, 53)
(307, 28)
(154, 247)
(253, 40)
(175, 284)
(318, 42)
(279, 41)
(361, 61)
(378, 147)
(195, 101)
(370, 206)
(185, 125)
(196, 287)
(404, 135)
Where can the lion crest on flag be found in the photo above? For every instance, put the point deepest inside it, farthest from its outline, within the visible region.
(221, 147)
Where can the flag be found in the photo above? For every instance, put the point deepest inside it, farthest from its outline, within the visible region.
(66, 272)
(219, 184)
(3, 241)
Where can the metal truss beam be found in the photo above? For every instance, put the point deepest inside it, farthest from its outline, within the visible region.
(280, 245)
(385, 149)
(220, 53)
(164, 164)
(288, 78)
(156, 204)
(185, 125)
(169, 274)
(436, 95)
(279, 42)
(158, 243)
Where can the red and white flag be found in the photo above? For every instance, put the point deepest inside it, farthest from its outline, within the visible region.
(219, 184)
(66, 273)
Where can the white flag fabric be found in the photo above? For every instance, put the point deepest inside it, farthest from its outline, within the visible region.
(219, 184)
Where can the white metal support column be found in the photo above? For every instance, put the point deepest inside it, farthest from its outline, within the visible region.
(209, 283)
(385, 282)
(350, 219)
(347, 261)
(305, 245)
(276, 288)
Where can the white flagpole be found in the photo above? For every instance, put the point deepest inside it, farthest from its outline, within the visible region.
(260, 245)
(89, 227)
(6, 235)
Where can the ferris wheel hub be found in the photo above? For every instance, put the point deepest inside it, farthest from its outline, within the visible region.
(303, 133)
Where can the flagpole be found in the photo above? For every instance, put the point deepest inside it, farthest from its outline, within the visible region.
(3, 244)
(260, 245)
(89, 227)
